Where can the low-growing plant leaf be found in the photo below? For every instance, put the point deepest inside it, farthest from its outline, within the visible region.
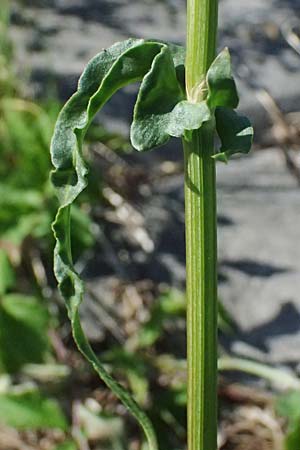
(23, 332)
(7, 277)
(21, 199)
(110, 70)
(221, 85)
(235, 132)
(292, 439)
(34, 224)
(288, 406)
(30, 410)
(67, 445)
(169, 305)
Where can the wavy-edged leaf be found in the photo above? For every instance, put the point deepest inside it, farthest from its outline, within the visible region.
(221, 85)
(110, 70)
(235, 132)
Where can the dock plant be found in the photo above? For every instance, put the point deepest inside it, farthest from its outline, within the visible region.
(188, 94)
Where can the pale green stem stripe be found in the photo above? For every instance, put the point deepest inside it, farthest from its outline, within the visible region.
(201, 237)
(201, 291)
(202, 23)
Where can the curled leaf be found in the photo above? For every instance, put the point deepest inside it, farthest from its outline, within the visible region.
(110, 70)
(161, 110)
(158, 95)
(235, 132)
(152, 130)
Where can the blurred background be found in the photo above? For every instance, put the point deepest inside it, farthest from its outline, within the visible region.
(128, 237)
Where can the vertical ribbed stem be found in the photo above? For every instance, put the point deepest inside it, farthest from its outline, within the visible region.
(202, 24)
(201, 237)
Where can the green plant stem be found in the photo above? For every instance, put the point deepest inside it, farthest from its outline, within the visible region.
(202, 24)
(201, 237)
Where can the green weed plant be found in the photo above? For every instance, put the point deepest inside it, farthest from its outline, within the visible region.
(190, 102)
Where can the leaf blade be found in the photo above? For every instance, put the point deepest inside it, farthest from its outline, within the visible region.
(113, 68)
(221, 85)
(235, 132)
(161, 110)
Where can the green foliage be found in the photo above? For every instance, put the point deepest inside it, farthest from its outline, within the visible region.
(140, 364)
(7, 279)
(288, 406)
(68, 445)
(23, 327)
(168, 306)
(30, 410)
(6, 80)
(25, 192)
(135, 368)
(161, 111)
(235, 132)
(123, 63)
(221, 85)
(110, 70)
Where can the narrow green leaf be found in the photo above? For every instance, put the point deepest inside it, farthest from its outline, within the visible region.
(30, 410)
(221, 85)
(235, 132)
